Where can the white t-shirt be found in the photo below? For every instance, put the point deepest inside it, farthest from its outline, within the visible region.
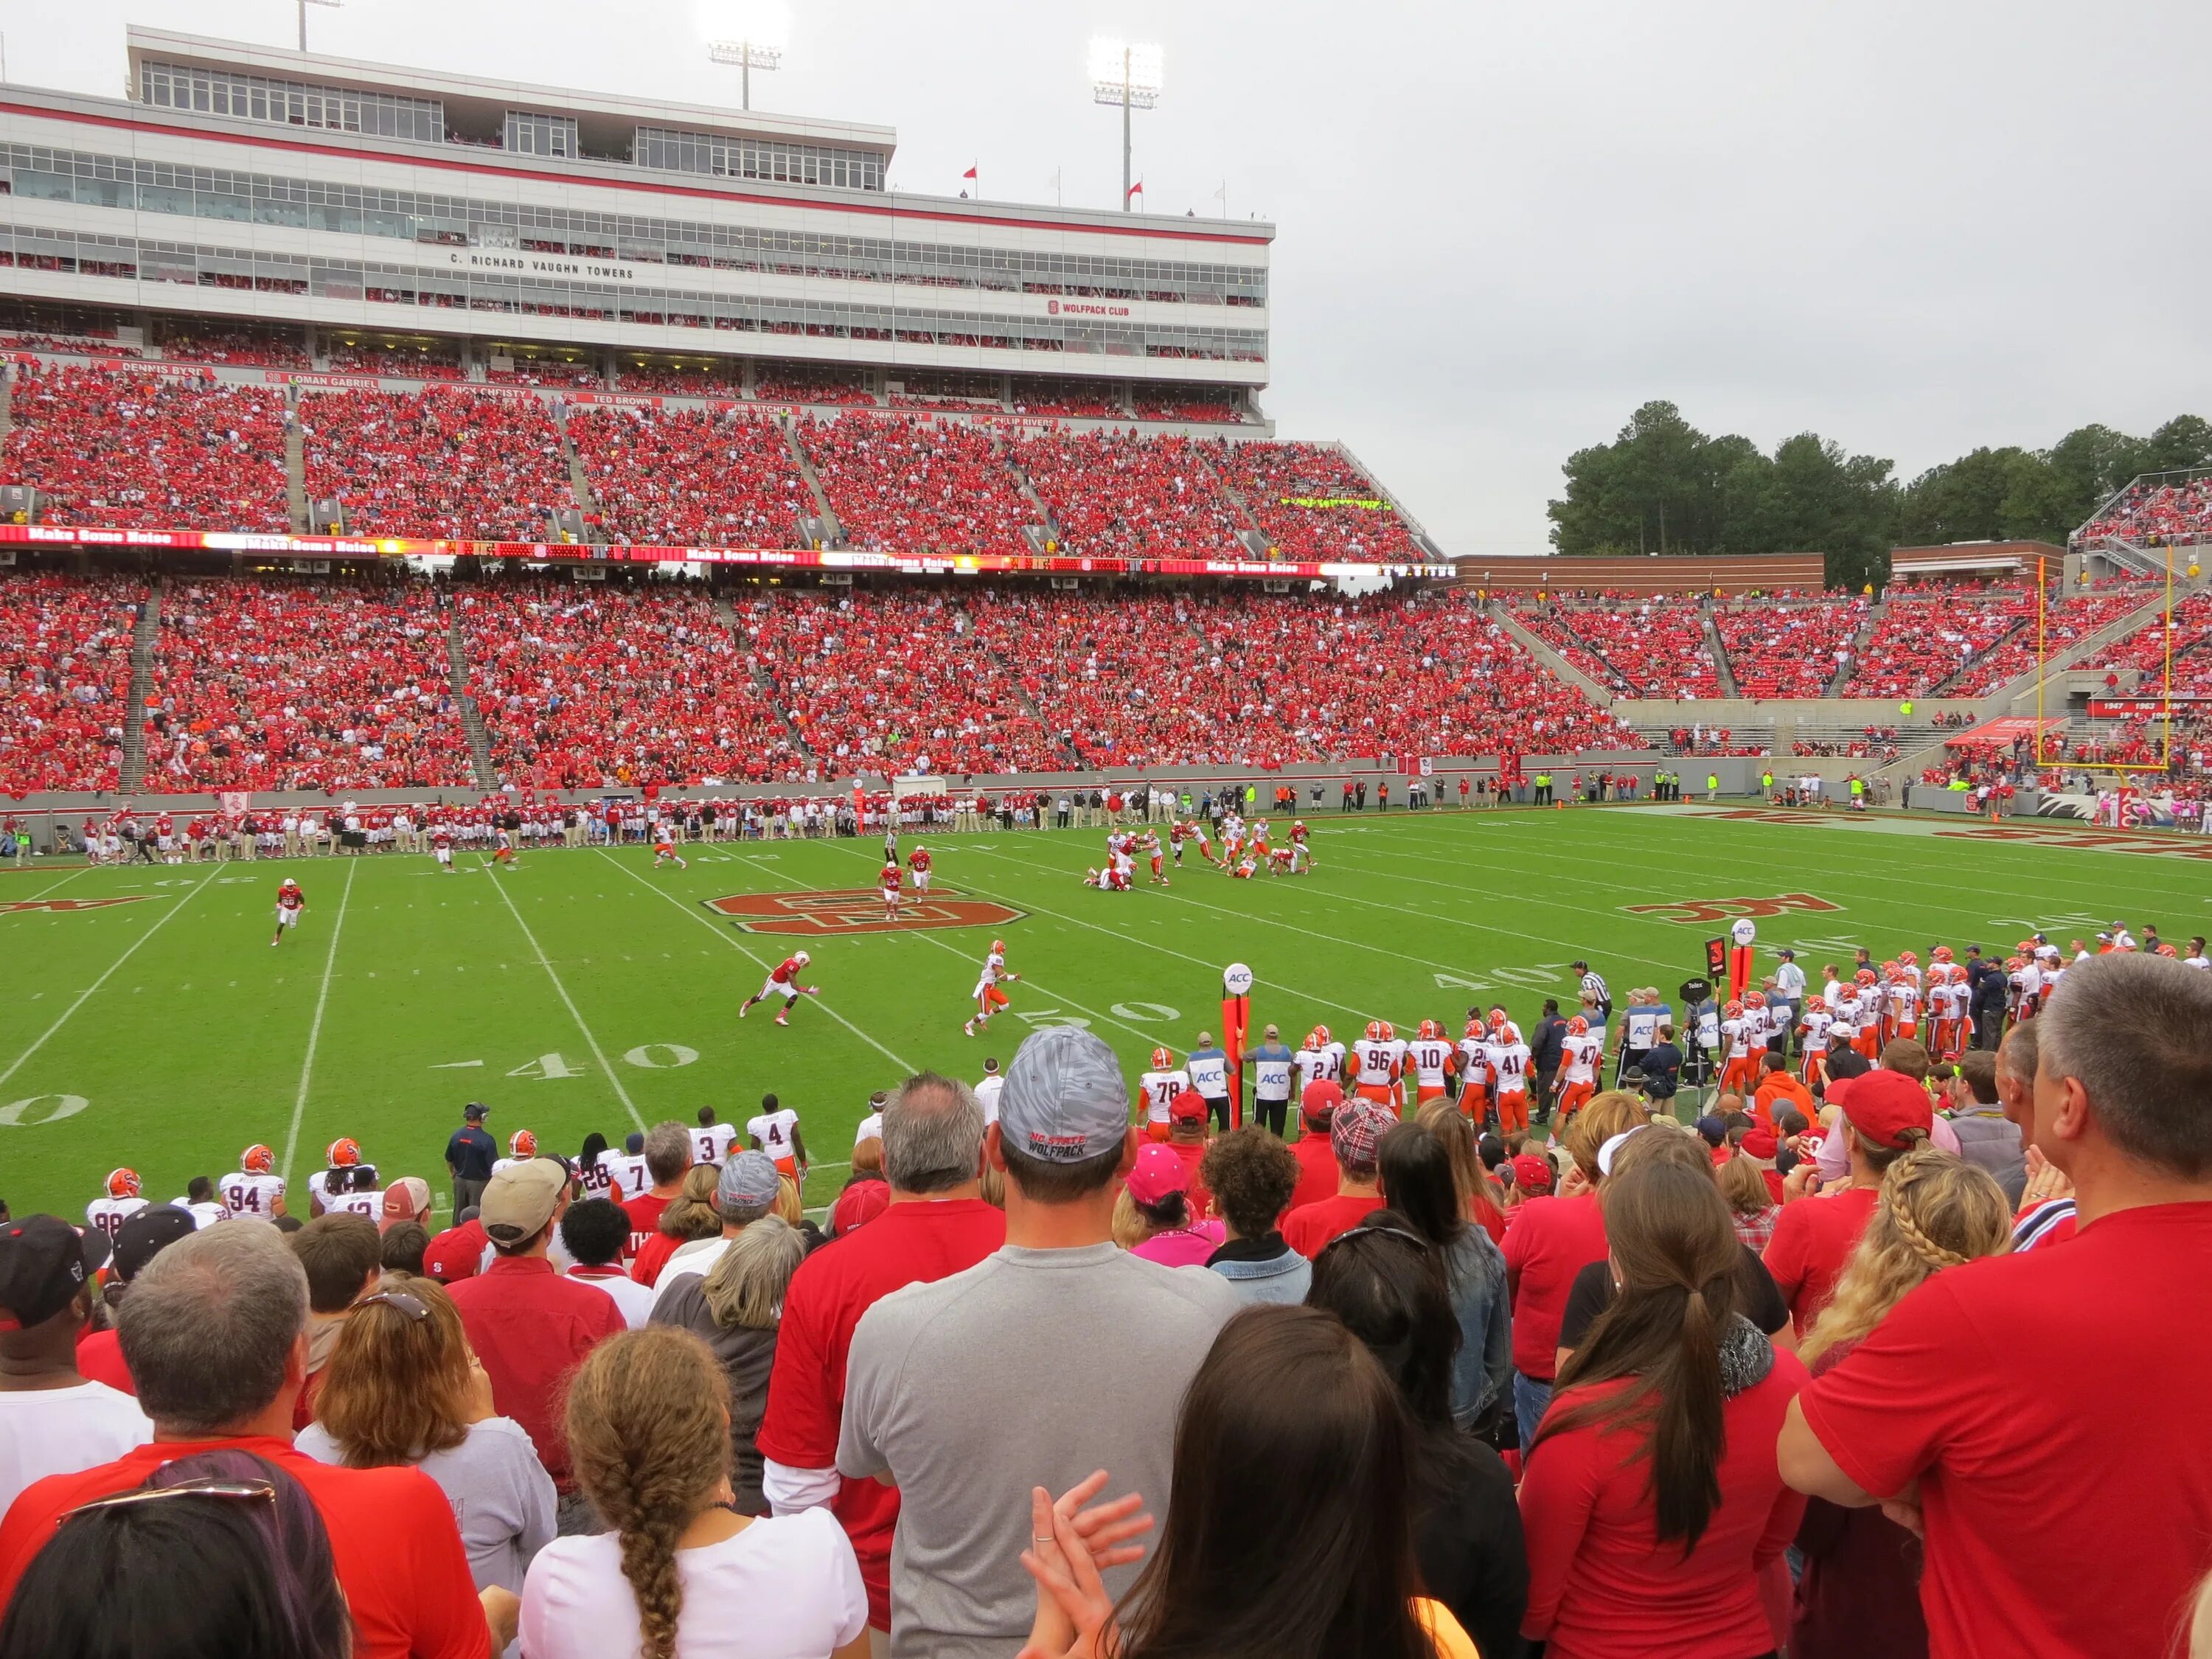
(694, 1257)
(785, 1588)
(987, 1096)
(635, 1300)
(47, 1431)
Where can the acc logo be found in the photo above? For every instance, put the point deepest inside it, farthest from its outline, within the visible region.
(855, 910)
(71, 904)
(1711, 910)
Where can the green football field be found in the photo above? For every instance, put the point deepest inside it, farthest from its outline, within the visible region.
(148, 1021)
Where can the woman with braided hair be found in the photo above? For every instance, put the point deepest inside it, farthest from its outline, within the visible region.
(1651, 1498)
(681, 1574)
(1860, 1590)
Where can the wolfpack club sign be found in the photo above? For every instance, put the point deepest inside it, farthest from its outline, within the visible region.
(856, 910)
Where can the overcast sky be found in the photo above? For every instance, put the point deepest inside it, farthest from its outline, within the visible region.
(1914, 225)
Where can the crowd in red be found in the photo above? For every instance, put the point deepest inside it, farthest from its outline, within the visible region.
(1312, 503)
(1090, 399)
(1115, 493)
(1786, 647)
(580, 685)
(2146, 649)
(683, 380)
(1650, 647)
(1193, 404)
(441, 463)
(211, 343)
(275, 684)
(547, 371)
(135, 450)
(902, 483)
(407, 361)
(2154, 513)
(65, 679)
(689, 477)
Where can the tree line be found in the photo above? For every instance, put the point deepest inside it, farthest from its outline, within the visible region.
(1664, 486)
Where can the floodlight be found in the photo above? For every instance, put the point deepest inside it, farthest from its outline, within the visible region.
(333, 4)
(748, 34)
(1129, 74)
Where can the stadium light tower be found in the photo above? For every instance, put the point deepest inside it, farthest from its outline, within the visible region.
(1127, 74)
(333, 4)
(750, 36)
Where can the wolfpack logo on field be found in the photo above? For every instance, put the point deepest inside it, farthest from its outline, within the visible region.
(1711, 910)
(856, 910)
(71, 904)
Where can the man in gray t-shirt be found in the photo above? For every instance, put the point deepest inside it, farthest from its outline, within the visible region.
(1059, 1355)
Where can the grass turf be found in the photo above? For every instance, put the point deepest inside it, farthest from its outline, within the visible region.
(584, 990)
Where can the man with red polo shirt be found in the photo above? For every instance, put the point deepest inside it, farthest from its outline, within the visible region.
(1885, 1115)
(2053, 1528)
(215, 1331)
(936, 1225)
(1317, 1158)
(1355, 1138)
(529, 1325)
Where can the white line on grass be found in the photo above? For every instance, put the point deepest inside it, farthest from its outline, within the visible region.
(128, 950)
(315, 1029)
(64, 882)
(545, 961)
(1042, 990)
(730, 940)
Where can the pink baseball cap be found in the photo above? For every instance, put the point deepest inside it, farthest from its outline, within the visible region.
(1156, 1173)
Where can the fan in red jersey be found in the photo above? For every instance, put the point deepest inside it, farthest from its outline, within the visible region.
(783, 982)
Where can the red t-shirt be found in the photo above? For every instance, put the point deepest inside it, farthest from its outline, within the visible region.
(1308, 1227)
(1813, 1239)
(1190, 1152)
(99, 1359)
(652, 1256)
(644, 1213)
(910, 1243)
(393, 1541)
(2053, 1531)
(531, 1328)
(1551, 1240)
(1602, 1586)
(1318, 1177)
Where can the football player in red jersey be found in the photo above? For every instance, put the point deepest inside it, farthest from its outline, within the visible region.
(919, 862)
(890, 880)
(783, 982)
(290, 902)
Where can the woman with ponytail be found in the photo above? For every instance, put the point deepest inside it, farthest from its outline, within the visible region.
(681, 1573)
(1651, 1498)
(1860, 1592)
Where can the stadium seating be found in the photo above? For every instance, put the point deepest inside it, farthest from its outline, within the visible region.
(2146, 649)
(1197, 404)
(131, 451)
(581, 685)
(2157, 513)
(1095, 399)
(690, 477)
(1115, 493)
(442, 463)
(900, 484)
(1652, 647)
(211, 343)
(266, 684)
(64, 680)
(417, 362)
(1787, 645)
(1306, 500)
(701, 380)
(1927, 635)
(808, 383)
(547, 371)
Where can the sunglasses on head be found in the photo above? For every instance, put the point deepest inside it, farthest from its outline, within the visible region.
(207, 1486)
(406, 1301)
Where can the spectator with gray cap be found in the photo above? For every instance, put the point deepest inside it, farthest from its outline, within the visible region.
(530, 1325)
(52, 1420)
(745, 1191)
(1057, 1356)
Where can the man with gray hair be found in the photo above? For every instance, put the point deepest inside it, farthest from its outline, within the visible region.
(667, 1153)
(1060, 1354)
(937, 1224)
(1974, 1409)
(746, 1192)
(215, 1331)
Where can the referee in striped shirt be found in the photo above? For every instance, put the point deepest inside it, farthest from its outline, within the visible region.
(1593, 985)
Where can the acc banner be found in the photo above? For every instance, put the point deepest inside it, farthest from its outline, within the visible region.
(1235, 1021)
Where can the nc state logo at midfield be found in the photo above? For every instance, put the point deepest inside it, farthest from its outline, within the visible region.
(856, 910)
(70, 904)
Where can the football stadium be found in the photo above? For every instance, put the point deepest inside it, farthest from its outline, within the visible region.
(672, 814)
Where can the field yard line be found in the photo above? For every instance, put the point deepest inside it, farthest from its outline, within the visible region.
(546, 961)
(315, 1030)
(64, 882)
(1165, 951)
(896, 1060)
(1042, 989)
(128, 950)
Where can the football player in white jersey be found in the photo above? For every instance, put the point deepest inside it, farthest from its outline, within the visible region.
(122, 1201)
(1434, 1058)
(253, 1189)
(1580, 1051)
(1813, 1038)
(775, 1132)
(623, 1169)
(201, 1203)
(1507, 1057)
(1379, 1061)
(988, 998)
(1161, 1086)
(1321, 1060)
(522, 1147)
(710, 1141)
(348, 1184)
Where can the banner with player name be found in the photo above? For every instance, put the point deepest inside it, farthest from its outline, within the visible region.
(936, 564)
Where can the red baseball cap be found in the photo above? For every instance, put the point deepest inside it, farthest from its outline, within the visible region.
(1532, 1172)
(1324, 1095)
(1886, 1108)
(1759, 1143)
(1189, 1106)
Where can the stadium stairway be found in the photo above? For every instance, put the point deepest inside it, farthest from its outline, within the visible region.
(832, 530)
(7, 403)
(1428, 543)
(295, 471)
(473, 723)
(1857, 644)
(727, 614)
(1041, 529)
(1722, 668)
(579, 485)
(1601, 696)
(145, 638)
